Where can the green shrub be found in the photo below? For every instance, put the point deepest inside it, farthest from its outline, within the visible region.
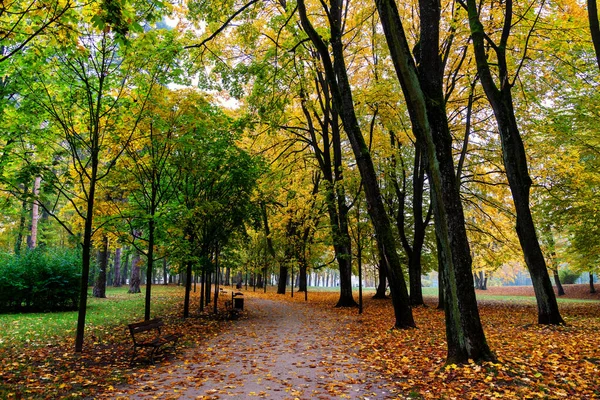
(568, 276)
(40, 280)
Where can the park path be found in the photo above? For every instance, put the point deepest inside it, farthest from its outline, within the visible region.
(280, 350)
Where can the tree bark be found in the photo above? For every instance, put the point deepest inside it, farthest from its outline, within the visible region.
(423, 91)
(188, 289)
(339, 85)
(302, 277)
(100, 283)
(149, 263)
(134, 280)
(88, 231)
(592, 288)
(381, 286)
(165, 272)
(283, 277)
(594, 27)
(515, 160)
(414, 250)
(35, 213)
(117, 268)
(21, 227)
(559, 287)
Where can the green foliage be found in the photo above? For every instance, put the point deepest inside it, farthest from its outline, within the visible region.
(568, 276)
(40, 280)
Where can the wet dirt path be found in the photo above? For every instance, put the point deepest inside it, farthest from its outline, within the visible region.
(280, 350)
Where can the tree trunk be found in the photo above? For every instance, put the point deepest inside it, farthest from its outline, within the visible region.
(188, 289)
(117, 268)
(125, 267)
(202, 288)
(35, 213)
(283, 278)
(413, 251)
(380, 292)
(165, 271)
(88, 231)
(594, 27)
(302, 277)
(515, 160)
(21, 228)
(423, 92)
(100, 283)
(592, 288)
(217, 278)
(207, 287)
(337, 79)
(134, 280)
(149, 266)
(559, 286)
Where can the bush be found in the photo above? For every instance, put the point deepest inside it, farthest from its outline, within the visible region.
(568, 276)
(40, 280)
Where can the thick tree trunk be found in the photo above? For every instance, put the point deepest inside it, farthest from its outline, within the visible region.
(594, 27)
(592, 288)
(414, 275)
(100, 283)
(382, 285)
(302, 277)
(134, 280)
(425, 101)
(117, 268)
(337, 79)
(283, 278)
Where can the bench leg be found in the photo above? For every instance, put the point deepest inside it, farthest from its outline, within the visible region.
(152, 354)
(133, 356)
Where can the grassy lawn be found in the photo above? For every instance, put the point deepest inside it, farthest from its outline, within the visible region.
(482, 295)
(118, 309)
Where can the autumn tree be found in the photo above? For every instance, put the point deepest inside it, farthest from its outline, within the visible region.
(85, 94)
(422, 84)
(498, 89)
(215, 181)
(22, 21)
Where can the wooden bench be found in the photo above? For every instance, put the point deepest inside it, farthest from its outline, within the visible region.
(232, 313)
(147, 334)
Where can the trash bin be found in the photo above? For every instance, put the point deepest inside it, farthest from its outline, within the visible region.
(238, 300)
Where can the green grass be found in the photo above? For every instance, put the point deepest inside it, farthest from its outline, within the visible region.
(118, 309)
(481, 295)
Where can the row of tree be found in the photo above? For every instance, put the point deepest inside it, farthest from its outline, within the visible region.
(440, 140)
(378, 121)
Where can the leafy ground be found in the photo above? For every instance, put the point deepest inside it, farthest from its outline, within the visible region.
(533, 361)
(37, 357)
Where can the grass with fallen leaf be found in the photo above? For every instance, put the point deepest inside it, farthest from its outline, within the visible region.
(37, 358)
(548, 362)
